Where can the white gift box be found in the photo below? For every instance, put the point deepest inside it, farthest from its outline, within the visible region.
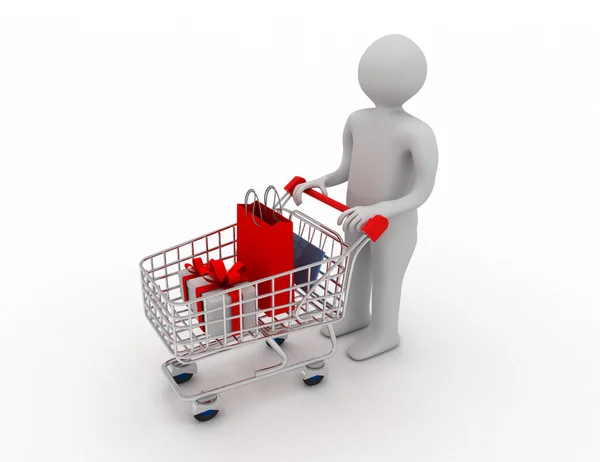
(210, 306)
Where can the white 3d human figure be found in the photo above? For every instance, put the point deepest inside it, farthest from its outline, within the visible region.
(390, 161)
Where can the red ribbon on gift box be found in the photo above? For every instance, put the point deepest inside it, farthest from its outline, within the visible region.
(216, 272)
(218, 277)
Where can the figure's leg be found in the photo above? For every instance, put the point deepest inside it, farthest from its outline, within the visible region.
(390, 257)
(358, 302)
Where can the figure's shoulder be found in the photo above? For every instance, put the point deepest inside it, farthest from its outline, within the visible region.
(360, 112)
(415, 127)
(358, 115)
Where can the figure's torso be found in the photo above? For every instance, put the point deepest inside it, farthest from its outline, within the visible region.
(381, 167)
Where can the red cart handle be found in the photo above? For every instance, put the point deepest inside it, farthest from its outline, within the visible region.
(374, 227)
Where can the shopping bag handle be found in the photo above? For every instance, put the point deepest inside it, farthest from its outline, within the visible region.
(374, 228)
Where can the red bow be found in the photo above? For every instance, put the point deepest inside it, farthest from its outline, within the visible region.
(214, 271)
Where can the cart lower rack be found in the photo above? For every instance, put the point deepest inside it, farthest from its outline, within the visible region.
(317, 301)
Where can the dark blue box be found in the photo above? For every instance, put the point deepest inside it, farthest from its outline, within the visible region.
(306, 253)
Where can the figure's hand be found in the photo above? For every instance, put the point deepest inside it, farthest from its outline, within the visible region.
(298, 190)
(356, 217)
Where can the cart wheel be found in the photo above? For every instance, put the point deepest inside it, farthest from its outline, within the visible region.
(182, 378)
(206, 409)
(278, 340)
(206, 415)
(313, 374)
(314, 380)
(182, 373)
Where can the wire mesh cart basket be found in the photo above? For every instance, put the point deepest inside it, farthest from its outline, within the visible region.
(317, 301)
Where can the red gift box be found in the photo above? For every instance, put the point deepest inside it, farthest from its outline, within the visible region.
(218, 277)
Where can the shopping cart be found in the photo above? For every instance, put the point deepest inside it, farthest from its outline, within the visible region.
(314, 303)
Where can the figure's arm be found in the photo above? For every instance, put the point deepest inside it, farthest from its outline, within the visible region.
(335, 178)
(424, 151)
(340, 175)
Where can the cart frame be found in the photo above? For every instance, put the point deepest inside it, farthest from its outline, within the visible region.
(187, 337)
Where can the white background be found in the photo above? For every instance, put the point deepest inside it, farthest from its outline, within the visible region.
(127, 127)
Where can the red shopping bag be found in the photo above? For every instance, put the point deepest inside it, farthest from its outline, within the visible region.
(265, 243)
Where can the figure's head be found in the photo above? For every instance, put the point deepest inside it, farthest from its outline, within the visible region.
(392, 70)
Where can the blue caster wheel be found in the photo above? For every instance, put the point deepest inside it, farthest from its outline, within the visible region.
(278, 340)
(314, 380)
(206, 415)
(206, 410)
(182, 378)
(182, 373)
(313, 374)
